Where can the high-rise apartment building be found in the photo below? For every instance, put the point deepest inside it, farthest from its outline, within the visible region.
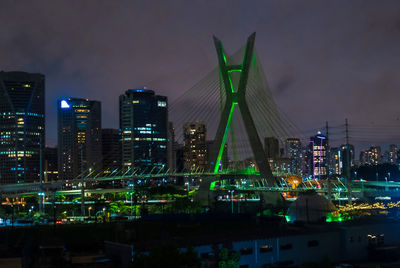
(319, 149)
(194, 146)
(79, 137)
(22, 122)
(364, 157)
(112, 149)
(372, 156)
(375, 155)
(393, 154)
(144, 129)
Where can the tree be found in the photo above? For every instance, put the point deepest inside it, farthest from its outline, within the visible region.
(228, 259)
(119, 207)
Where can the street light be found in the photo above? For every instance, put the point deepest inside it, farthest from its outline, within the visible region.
(188, 188)
(231, 192)
(89, 209)
(131, 185)
(386, 185)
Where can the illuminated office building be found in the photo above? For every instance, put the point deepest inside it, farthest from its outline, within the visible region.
(22, 132)
(79, 137)
(144, 129)
(293, 152)
(194, 146)
(319, 149)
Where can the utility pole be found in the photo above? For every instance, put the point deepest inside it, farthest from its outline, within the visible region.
(327, 130)
(348, 176)
(41, 206)
(82, 184)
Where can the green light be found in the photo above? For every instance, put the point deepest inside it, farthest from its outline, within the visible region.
(221, 149)
(223, 54)
(287, 218)
(229, 77)
(212, 185)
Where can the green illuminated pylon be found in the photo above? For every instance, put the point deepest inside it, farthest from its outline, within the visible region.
(237, 98)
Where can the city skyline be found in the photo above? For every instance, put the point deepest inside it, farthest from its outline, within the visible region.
(199, 133)
(303, 63)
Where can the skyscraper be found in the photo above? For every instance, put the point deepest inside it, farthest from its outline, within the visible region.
(335, 161)
(112, 149)
(194, 146)
(345, 155)
(293, 152)
(50, 166)
(22, 132)
(79, 137)
(144, 125)
(272, 147)
(307, 161)
(319, 149)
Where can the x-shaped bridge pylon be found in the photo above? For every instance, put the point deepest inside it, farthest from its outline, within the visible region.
(237, 97)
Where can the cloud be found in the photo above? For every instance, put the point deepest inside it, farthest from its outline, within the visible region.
(325, 60)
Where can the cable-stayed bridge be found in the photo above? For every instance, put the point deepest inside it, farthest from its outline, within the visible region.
(236, 103)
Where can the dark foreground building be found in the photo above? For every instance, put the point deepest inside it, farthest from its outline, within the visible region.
(22, 132)
(143, 123)
(79, 137)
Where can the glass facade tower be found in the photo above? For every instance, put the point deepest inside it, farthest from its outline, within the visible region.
(22, 132)
(144, 124)
(111, 140)
(79, 137)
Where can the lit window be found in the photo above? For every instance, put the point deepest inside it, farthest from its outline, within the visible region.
(162, 104)
(64, 104)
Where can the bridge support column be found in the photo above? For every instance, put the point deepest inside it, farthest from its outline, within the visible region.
(237, 97)
(83, 198)
(204, 194)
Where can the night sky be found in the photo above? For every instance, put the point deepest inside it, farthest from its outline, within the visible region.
(324, 60)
